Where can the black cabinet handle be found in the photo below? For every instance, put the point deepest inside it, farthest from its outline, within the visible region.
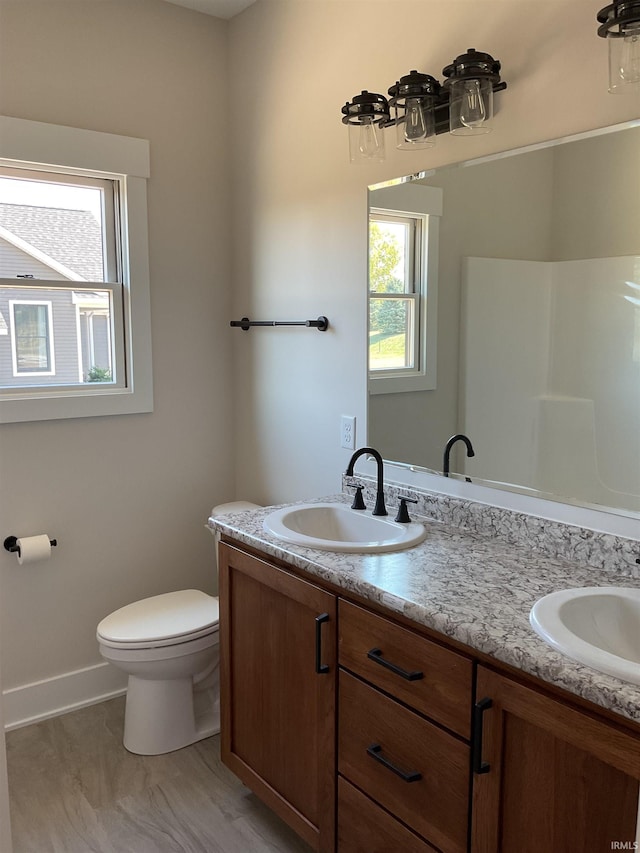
(479, 766)
(321, 668)
(375, 751)
(376, 656)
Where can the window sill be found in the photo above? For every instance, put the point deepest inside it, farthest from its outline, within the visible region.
(400, 384)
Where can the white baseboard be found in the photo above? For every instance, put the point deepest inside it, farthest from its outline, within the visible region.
(70, 691)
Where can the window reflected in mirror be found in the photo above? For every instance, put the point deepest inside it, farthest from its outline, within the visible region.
(395, 246)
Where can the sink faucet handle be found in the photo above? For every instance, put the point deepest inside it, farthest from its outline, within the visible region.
(403, 512)
(358, 500)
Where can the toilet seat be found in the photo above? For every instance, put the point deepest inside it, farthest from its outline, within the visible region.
(162, 620)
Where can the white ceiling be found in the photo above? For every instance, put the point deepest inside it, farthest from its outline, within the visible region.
(219, 8)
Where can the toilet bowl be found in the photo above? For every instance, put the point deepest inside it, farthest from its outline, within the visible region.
(168, 646)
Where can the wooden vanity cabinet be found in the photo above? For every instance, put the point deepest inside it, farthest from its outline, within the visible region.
(278, 691)
(422, 765)
(553, 779)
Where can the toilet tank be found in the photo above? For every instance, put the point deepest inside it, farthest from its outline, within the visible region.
(223, 509)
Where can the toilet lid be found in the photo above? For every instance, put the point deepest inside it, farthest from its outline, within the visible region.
(162, 619)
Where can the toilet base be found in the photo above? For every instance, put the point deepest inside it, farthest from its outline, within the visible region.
(162, 716)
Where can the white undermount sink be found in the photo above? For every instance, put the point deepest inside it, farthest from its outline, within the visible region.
(337, 527)
(598, 626)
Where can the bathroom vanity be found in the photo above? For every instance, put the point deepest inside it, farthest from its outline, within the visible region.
(401, 701)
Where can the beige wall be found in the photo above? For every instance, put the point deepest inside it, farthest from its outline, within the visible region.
(300, 216)
(594, 209)
(127, 496)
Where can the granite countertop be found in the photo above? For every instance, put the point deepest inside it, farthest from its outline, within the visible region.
(473, 588)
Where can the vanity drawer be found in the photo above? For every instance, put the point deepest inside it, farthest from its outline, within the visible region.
(443, 691)
(379, 739)
(363, 827)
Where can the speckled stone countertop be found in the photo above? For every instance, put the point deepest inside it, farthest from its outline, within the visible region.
(471, 587)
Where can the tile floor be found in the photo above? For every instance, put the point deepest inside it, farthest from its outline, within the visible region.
(75, 789)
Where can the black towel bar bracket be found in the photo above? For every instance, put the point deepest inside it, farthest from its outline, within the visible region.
(321, 324)
(11, 544)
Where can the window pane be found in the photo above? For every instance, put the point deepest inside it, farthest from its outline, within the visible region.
(51, 229)
(65, 332)
(32, 343)
(390, 333)
(389, 257)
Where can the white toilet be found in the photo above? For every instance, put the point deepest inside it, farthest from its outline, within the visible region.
(168, 646)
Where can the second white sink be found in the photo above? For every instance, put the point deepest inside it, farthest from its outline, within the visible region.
(598, 626)
(337, 527)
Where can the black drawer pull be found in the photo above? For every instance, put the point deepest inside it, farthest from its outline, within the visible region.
(376, 656)
(375, 752)
(479, 766)
(321, 668)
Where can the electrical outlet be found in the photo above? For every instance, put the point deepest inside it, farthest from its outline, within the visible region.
(348, 432)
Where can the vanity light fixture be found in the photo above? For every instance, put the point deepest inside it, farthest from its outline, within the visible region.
(423, 108)
(620, 25)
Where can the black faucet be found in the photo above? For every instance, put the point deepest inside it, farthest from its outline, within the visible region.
(380, 508)
(447, 451)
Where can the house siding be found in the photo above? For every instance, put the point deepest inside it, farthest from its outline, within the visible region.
(15, 262)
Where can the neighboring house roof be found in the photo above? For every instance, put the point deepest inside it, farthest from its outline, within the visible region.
(10, 268)
(71, 238)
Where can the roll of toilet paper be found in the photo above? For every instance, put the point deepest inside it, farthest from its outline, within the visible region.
(33, 549)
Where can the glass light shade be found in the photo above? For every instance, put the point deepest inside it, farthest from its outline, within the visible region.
(624, 60)
(470, 106)
(366, 141)
(415, 125)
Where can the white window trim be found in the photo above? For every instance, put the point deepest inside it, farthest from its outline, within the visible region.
(415, 200)
(79, 343)
(45, 146)
(14, 338)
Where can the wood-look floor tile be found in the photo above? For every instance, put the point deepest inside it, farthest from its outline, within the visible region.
(75, 789)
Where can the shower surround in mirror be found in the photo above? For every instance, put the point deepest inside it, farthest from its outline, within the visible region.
(561, 341)
(538, 324)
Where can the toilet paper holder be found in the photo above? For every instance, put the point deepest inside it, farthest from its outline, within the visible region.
(11, 544)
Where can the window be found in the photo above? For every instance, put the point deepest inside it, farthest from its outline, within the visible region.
(55, 230)
(74, 285)
(395, 261)
(32, 339)
(403, 276)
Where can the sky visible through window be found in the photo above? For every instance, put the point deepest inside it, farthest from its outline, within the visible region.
(47, 194)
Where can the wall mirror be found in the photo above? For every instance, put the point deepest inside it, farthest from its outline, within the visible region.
(533, 342)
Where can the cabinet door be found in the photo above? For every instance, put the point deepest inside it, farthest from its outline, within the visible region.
(278, 685)
(552, 779)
